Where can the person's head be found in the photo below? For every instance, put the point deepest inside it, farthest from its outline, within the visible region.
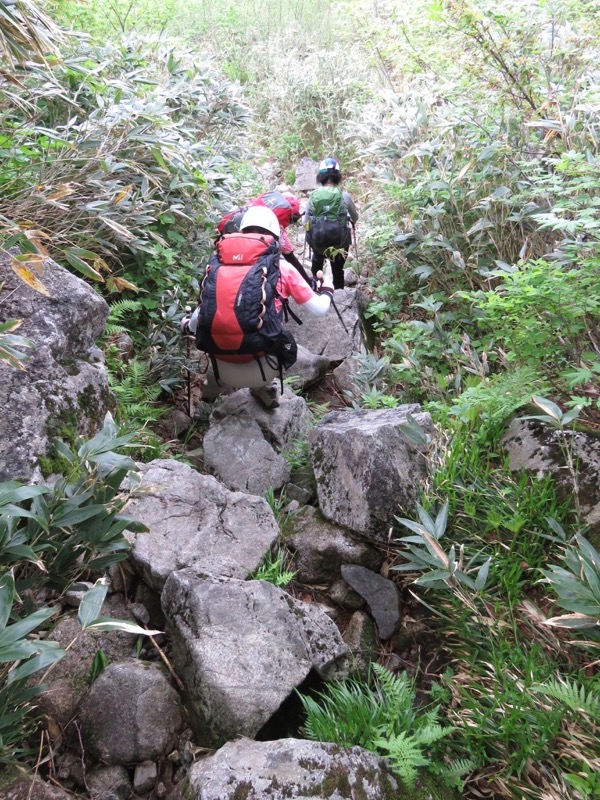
(294, 207)
(329, 172)
(259, 219)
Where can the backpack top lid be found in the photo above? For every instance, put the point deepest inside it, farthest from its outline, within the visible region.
(286, 207)
(245, 249)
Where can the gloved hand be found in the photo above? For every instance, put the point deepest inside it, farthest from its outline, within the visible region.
(184, 322)
(323, 286)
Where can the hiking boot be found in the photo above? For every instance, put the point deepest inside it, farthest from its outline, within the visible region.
(267, 396)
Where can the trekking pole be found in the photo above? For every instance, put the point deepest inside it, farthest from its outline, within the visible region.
(335, 308)
(188, 310)
(355, 243)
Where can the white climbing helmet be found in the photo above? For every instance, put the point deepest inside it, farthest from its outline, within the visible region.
(261, 217)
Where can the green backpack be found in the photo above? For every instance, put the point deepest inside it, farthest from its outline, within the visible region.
(327, 220)
(328, 201)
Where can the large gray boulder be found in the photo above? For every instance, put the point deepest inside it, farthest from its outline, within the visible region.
(306, 175)
(63, 390)
(325, 336)
(367, 469)
(195, 521)
(241, 648)
(280, 427)
(69, 678)
(321, 547)
(238, 454)
(536, 447)
(293, 768)
(130, 714)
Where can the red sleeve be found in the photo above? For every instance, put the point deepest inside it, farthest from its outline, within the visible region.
(292, 284)
(284, 241)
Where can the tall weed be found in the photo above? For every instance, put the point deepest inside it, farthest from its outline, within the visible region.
(123, 156)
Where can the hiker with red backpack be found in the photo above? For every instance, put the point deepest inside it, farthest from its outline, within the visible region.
(286, 208)
(243, 299)
(327, 219)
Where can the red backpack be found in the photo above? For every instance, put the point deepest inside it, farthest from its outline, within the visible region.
(237, 301)
(285, 207)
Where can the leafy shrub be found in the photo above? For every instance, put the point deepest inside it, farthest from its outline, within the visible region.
(135, 171)
(542, 313)
(49, 537)
(56, 535)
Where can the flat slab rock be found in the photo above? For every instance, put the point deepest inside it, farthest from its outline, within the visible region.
(381, 596)
(241, 648)
(367, 469)
(195, 521)
(293, 768)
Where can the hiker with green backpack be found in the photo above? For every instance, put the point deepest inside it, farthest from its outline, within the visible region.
(327, 219)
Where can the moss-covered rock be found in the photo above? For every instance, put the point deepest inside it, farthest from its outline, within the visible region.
(64, 389)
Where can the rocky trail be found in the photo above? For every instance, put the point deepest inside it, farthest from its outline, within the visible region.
(222, 679)
(209, 709)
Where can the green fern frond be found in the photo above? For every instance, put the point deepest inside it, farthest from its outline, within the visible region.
(399, 693)
(405, 756)
(572, 695)
(431, 733)
(112, 329)
(273, 570)
(142, 411)
(120, 308)
(347, 713)
(136, 392)
(429, 716)
(381, 718)
(453, 774)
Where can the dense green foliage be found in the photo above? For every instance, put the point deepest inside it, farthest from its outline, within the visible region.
(384, 718)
